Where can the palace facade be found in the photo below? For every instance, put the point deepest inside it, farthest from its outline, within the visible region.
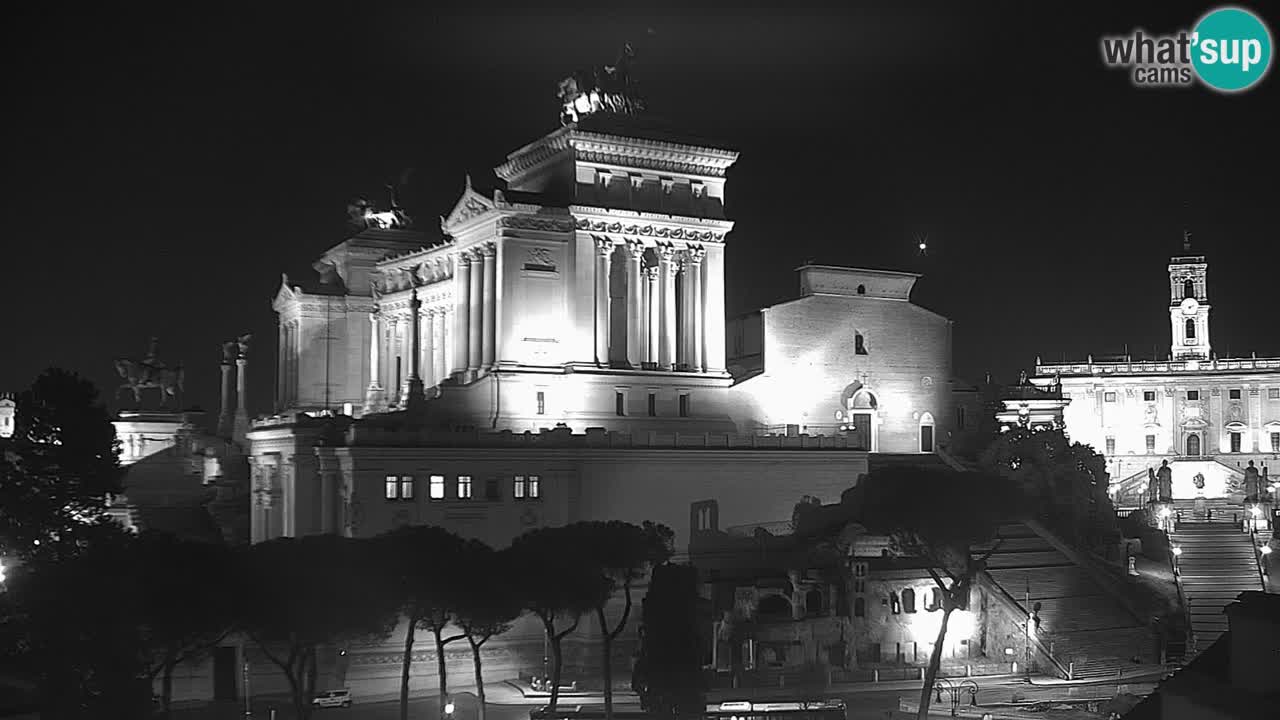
(1204, 414)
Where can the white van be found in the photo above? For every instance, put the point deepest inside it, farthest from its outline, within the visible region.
(333, 698)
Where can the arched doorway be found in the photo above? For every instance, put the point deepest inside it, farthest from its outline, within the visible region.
(863, 407)
(1193, 444)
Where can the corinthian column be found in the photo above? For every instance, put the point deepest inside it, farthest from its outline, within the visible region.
(475, 314)
(488, 339)
(604, 248)
(428, 349)
(635, 314)
(281, 358)
(653, 316)
(667, 283)
(697, 309)
(413, 394)
(461, 311)
(373, 396)
(440, 345)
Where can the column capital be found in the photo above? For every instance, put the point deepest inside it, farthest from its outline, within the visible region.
(604, 245)
(666, 253)
(695, 253)
(651, 272)
(635, 247)
(487, 250)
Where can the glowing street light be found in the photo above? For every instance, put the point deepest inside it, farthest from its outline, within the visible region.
(1265, 550)
(1177, 550)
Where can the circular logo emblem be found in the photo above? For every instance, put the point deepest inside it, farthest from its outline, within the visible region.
(1231, 49)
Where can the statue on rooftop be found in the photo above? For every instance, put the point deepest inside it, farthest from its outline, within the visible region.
(605, 88)
(149, 372)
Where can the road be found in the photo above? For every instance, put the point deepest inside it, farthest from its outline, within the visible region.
(864, 703)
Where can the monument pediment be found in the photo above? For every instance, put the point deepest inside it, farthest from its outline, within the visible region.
(470, 206)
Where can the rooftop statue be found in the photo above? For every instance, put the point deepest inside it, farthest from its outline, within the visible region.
(603, 89)
(363, 214)
(149, 372)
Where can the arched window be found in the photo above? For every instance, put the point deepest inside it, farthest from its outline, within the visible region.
(926, 433)
(935, 600)
(859, 345)
(862, 289)
(895, 605)
(863, 400)
(1193, 444)
(1191, 329)
(909, 600)
(859, 607)
(1188, 289)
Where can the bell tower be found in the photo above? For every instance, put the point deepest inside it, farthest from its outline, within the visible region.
(1189, 304)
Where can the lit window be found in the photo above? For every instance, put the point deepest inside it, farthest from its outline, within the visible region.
(1193, 394)
(1233, 394)
(1151, 444)
(393, 487)
(1149, 395)
(1109, 397)
(653, 405)
(684, 405)
(542, 403)
(518, 488)
(1235, 442)
(464, 487)
(406, 487)
(894, 606)
(1111, 446)
(535, 488)
(437, 487)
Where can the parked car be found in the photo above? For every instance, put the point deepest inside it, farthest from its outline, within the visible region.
(333, 698)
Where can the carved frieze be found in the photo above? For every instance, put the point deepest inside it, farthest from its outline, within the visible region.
(468, 209)
(545, 224)
(649, 230)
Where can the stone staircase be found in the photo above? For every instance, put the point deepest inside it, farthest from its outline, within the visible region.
(1213, 510)
(1218, 562)
(1088, 629)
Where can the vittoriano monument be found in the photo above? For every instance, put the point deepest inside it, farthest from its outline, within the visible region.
(150, 372)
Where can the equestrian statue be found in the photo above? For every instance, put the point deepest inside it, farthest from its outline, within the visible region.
(147, 373)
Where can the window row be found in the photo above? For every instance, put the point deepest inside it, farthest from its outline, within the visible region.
(523, 487)
(900, 603)
(1236, 440)
(620, 403)
(1232, 394)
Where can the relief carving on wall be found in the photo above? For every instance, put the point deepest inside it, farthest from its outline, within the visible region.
(1150, 415)
(541, 256)
(649, 230)
(1234, 412)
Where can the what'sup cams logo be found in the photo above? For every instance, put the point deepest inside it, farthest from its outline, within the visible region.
(1228, 51)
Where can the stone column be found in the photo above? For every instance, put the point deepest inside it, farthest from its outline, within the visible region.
(488, 338)
(242, 396)
(713, 322)
(373, 395)
(604, 249)
(697, 310)
(654, 316)
(225, 416)
(667, 282)
(475, 314)
(1255, 442)
(683, 336)
(635, 314)
(461, 311)
(428, 349)
(440, 345)
(413, 394)
(395, 372)
(281, 358)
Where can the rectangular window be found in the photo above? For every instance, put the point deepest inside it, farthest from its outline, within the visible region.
(436, 489)
(1233, 394)
(619, 403)
(653, 405)
(1273, 393)
(1235, 442)
(1111, 446)
(1275, 442)
(1109, 397)
(535, 488)
(393, 487)
(491, 490)
(518, 488)
(960, 417)
(464, 487)
(406, 487)
(1151, 444)
(1193, 394)
(1149, 395)
(684, 405)
(542, 403)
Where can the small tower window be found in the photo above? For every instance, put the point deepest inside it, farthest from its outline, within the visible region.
(859, 345)
(862, 289)
(1191, 329)
(1188, 289)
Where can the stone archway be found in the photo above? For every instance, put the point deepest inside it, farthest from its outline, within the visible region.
(1193, 444)
(863, 412)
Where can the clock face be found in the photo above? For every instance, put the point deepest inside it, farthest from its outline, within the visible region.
(1190, 306)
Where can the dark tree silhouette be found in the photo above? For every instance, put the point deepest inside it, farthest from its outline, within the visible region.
(668, 672)
(59, 468)
(556, 579)
(487, 603)
(298, 595)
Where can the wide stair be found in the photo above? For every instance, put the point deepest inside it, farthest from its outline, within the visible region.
(1089, 630)
(1218, 562)
(1213, 510)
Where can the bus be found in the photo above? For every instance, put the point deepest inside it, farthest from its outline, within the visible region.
(796, 710)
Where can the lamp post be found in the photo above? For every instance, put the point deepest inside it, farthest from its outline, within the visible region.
(248, 709)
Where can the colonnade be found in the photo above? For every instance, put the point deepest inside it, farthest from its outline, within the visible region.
(663, 331)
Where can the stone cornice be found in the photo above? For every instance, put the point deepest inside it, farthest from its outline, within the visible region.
(654, 225)
(534, 154)
(629, 152)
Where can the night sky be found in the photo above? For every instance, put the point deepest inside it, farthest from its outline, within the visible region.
(162, 170)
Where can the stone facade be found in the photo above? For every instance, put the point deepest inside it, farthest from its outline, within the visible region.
(1202, 413)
